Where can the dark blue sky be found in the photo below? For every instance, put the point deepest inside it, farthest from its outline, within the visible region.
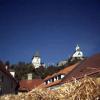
(53, 27)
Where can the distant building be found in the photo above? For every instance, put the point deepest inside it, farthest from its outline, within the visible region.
(78, 53)
(29, 83)
(62, 63)
(36, 60)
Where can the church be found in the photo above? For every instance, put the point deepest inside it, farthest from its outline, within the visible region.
(78, 54)
(36, 60)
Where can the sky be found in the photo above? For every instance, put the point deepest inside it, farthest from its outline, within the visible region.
(52, 27)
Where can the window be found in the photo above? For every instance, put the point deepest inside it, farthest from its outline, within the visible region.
(62, 76)
(46, 82)
(59, 77)
(56, 77)
(52, 79)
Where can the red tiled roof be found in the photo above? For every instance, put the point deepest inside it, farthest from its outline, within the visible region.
(47, 77)
(63, 71)
(87, 67)
(67, 69)
(29, 84)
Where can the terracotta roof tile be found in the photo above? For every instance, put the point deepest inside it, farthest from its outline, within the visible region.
(29, 84)
(48, 77)
(66, 70)
(87, 67)
(63, 71)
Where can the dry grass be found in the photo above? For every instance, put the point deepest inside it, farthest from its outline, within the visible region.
(84, 89)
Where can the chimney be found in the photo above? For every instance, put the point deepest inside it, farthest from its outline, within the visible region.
(29, 76)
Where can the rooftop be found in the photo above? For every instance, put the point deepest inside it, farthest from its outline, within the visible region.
(87, 67)
(90, 66)
(27, 85)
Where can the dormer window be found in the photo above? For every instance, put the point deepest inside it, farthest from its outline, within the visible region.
(52, 79)
(46, 82)
(62, 76)
(59, 77)
(56, 77)
(49, 81)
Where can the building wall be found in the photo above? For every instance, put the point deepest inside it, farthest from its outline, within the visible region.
(36, 61)
(7, 84)
(55, 87)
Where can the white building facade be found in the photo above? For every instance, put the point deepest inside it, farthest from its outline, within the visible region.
(78, 53)
(36, 60)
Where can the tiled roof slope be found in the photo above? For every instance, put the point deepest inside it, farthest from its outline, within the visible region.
(64, 71)
(28, 85)
(87, 67)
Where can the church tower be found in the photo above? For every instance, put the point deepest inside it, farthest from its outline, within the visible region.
(36, 60)
(78, 53)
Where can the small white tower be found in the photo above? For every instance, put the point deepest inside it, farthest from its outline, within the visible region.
(36, 60)
(78, 53)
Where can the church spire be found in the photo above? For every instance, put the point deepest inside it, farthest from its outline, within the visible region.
(37, 54)
(77, 48)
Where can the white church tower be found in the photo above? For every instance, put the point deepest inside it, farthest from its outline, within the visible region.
(36, 60)
(78, 53)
